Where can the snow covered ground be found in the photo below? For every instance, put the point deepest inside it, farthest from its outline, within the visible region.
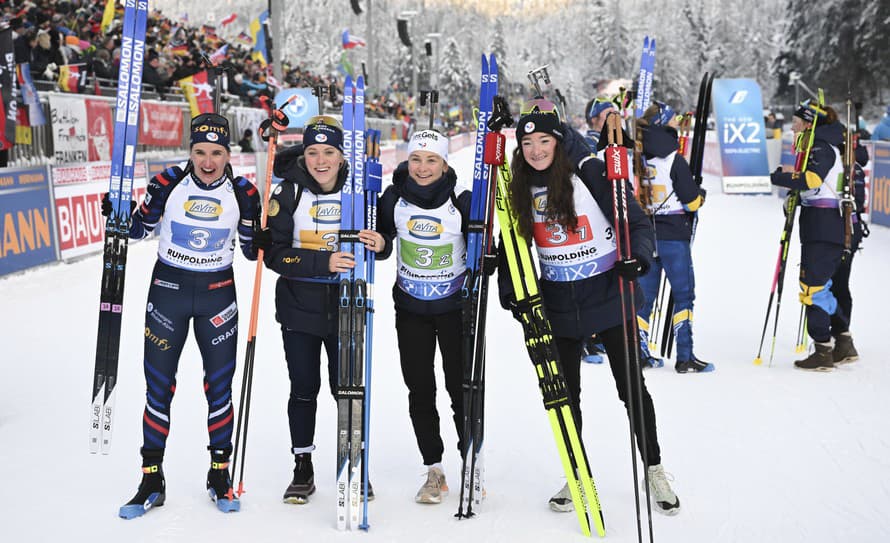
(757, 454)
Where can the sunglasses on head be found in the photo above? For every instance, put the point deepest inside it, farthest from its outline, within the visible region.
(538, 105)
(325, 120)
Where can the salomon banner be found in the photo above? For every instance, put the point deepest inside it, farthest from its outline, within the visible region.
(738, 107)
(26, 228)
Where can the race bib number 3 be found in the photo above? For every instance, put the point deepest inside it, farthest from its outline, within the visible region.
(199, 238)
(553, 234)
(318, 241)
(425, 257)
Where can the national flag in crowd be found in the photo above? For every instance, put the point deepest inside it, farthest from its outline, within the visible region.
(179, 50)
(70, 77)
(351, 41)
(107, 15)
(228, 20)
(219, 55)
(29, 94)
(345, 66)
(244, 37)
(208, 30)
(198, 92)
(258, 33)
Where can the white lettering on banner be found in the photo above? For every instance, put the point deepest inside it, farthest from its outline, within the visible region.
(735, 132)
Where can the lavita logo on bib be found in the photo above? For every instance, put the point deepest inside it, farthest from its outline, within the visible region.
(202, 208)
(326, 212)
(425, 227)
(539, 202)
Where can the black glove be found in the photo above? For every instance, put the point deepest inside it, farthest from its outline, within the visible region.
(490, 262)
(107, 209)
(262, 238)
(631, 268)
(703, 193)
(517, 310)
(278, 120)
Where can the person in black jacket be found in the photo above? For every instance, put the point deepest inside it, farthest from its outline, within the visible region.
(570, 217)
(428, 213)
(672, 199)
(821, 232)
(301, 244)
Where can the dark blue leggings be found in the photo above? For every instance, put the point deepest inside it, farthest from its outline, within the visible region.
(207, 299)
(303, 354)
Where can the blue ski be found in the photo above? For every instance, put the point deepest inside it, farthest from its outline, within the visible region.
(117, 225)
(475, 295)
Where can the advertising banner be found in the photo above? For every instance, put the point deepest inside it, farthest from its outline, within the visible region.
(99, 129)
(738, 107)
(78, 191)
(161, 125)
(26, 229)
(304, 106)
(69, 127)
(880, 193)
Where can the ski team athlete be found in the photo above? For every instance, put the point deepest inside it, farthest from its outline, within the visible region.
(844, 350)
(673, 199)
(821, 235)
(427, 214)
(301, 244)
(197, 209)
(571, 214)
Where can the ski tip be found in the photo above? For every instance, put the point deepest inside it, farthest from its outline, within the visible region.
(228, 506)
(131, 511)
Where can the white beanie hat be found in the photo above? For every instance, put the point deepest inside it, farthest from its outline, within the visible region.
(429, 140)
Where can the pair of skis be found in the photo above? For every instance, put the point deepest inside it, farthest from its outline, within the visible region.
(475, 298)
(539, 339)
(355, 316)
(117, 225)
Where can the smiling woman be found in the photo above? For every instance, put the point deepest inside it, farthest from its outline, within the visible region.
(302, 245)
(426, 211)
(198, 210)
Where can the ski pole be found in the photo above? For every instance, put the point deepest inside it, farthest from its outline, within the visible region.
(618, 174)
(267, 131)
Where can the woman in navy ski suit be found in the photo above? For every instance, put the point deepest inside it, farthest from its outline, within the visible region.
(673, 199)
(198, 210)
(821, 233)
(426, 212)
(301, 244)
(569, 215)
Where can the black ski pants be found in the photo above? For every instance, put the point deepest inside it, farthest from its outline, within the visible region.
(417, 336)
(613, 340)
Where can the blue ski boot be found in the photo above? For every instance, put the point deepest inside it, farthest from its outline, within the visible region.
(219, 483)
(591, 351)
(152, 489)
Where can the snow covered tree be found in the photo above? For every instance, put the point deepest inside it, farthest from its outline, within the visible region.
(455, 83)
